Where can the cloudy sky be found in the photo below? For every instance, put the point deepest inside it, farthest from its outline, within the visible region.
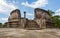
(6, 6)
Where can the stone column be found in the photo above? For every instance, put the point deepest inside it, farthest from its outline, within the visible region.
(24, 18)
(43, 20)
(7, 25)
(19, 23)
(43, 23)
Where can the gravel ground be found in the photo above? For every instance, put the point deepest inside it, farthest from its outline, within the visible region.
(23, 33)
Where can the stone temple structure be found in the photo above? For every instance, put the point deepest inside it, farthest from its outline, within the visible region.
(41, 20)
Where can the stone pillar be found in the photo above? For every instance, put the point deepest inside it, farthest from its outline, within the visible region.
(19, 24)
(24, 15)
(43, 23)
(24, 18)
(40, 23)
(43, 18)
(7, 25)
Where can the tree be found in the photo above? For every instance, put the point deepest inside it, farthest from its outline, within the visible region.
(55, 18)
(50, 13)
(0, 24)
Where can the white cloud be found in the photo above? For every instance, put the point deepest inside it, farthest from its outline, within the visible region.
(3, 20)
(4, 6)
(38, 3)
(30, 14)
(57, 12)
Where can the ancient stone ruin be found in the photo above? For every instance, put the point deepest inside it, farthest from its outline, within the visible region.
(41, 20)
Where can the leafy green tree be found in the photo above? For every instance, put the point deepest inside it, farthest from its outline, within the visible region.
(0, 25)
(5, 25)
(57, 21)
(55, 18)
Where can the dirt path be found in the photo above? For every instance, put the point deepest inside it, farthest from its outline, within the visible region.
(21, 33)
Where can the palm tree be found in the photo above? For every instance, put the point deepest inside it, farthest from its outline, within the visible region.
(51, 13)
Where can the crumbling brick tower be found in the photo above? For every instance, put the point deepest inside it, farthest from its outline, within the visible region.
(14, 19)
(40, 17)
